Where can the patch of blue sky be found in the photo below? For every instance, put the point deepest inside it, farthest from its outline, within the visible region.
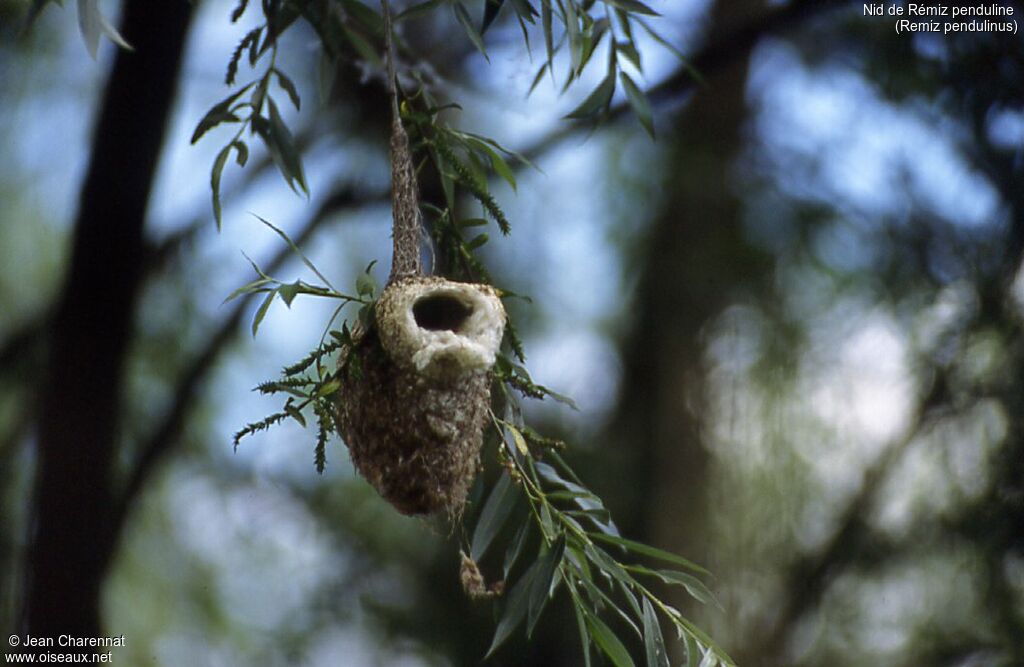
(868, 156)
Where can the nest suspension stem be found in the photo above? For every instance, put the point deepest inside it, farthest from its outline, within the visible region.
(405, 200)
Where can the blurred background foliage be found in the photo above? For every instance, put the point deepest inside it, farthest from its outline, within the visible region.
(792, 324)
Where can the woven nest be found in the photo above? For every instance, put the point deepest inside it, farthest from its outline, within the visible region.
(416, 391)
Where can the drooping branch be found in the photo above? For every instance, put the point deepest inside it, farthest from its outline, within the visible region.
(166, 435)
(710, 59)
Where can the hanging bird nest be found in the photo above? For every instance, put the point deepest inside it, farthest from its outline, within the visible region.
(416, 391)
(415, 388)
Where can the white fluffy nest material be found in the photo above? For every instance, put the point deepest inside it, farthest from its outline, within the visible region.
(441, 329)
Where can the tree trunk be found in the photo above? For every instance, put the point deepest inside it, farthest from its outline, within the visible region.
(72, 540)
(696, 261)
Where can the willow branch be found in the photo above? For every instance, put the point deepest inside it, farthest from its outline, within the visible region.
(708, 60)
(167, 433)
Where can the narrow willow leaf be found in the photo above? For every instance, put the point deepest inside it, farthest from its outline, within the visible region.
(515, 547)
(653, 552)
(638, 101)
(572, 29)
(598, 99)
(581, 624)
(494, 144)
(277, 22)
(537, 79)
(560, 398)
(215, 174)
(707, 642)
(419, 10)
(628, 50)
(242, 152)
(253, 38)
(692, 651)
(498, 163)
(491, 9)
(291, 244)
(547, 524)
(467, 23)
(362, 46)
(477, 241)
(676, 52)
(549, 42)
(478, 179)
(557, 458)
(219, 113)
(524, 10)
(447, 179)
(89, 24)
(366, 285)
(602, 600)
(328, 388)
(113, 35)
(694, 586)
(289, 292)
(364, 15)
(257, 269)
(591, 40)
(544, 582)
(608, 565)
(254, 286)
(575, 557)
(261, 313)
(291, 161)
(654, 642)
(326, 75)
(631, 599)
(92, 24)
(625, 23)
(520, 441)
(496, 511)
(550, 475)
(634, 6)
(502, 169)
(239, 10)
(515, 610)
(289, 87)
(294, 413)
(609, 643)
(592, 507)
(36, 8)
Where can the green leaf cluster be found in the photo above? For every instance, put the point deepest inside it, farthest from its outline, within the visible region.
(312, 383)
(257, 112)
(579, 549)
(585, 26)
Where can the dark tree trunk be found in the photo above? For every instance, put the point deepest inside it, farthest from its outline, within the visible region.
(72, 540)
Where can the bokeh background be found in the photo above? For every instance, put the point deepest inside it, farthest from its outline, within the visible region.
(792, 323)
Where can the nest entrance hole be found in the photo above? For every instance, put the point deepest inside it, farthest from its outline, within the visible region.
(441, 312)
